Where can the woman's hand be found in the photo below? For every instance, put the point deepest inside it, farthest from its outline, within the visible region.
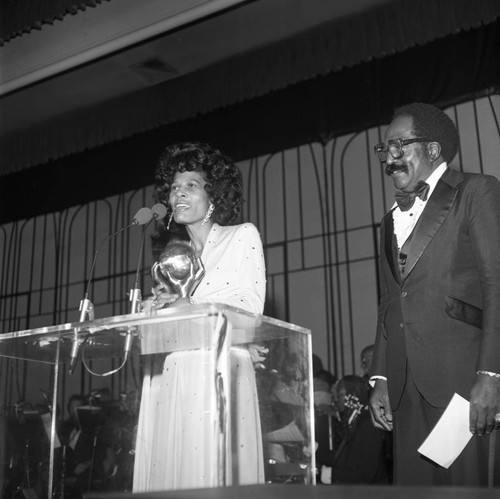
(258, 353)
(159, 299)
(181, 301)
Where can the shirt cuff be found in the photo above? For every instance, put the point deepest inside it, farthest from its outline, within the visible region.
(489, 373)
(372, 380)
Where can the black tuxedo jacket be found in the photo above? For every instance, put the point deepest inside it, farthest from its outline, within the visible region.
(442, 315)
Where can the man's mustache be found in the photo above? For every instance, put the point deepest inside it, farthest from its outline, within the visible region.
(393, 168)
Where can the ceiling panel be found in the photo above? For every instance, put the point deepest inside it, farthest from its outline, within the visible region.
(196, 34)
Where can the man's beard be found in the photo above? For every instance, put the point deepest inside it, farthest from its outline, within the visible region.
(390, 169)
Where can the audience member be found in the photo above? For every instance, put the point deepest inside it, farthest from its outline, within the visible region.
(88, 459)
(326, 416)
(359, 457)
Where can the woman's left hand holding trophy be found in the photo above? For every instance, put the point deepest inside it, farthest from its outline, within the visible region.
(178, 270)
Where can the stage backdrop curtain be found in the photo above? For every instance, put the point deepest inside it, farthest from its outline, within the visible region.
(19, 17)
(391, 28)
(450, 70)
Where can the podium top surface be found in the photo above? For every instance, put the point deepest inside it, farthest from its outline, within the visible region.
(52, 344)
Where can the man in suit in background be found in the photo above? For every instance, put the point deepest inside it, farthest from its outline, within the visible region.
(438, 328)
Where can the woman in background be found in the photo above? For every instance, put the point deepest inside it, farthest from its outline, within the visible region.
(177, 442)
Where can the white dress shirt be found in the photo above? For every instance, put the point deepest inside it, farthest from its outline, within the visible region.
(405, 221)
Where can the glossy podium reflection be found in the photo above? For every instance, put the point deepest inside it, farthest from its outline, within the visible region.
(37, 360)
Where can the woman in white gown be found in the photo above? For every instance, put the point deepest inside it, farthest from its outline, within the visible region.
(177, 445)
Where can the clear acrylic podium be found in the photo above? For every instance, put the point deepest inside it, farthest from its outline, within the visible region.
(37, 360)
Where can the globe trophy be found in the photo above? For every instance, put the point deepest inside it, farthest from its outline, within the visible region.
(178, 268)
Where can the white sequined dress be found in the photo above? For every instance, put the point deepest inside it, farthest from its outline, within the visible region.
(177, 441)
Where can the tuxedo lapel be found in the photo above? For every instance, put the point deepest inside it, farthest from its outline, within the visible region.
(433, 216)
(391, 246)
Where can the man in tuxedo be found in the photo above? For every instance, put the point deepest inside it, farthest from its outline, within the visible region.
(438, 330)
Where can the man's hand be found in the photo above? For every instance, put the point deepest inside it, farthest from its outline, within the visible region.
(484, 405)
(380, 408)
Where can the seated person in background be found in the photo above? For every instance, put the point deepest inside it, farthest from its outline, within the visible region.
(360, 455)
(327, 421)
(282, 400)
(317, 364)
(323, 386)
(88, 458)
(324, 381)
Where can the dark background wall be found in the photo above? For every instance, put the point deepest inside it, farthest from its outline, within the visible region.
(447, 71)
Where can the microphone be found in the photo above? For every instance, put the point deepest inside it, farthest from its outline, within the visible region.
(135, 293)
(158, 211)
(142, 217)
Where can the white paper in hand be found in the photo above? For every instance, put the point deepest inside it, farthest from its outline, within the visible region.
(450, 435)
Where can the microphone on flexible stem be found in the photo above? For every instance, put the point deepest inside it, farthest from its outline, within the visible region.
(158, 212)
(135, 293)
(143, 216)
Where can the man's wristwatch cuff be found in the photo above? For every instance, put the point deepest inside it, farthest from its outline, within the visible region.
(374, 378)
(488, 373)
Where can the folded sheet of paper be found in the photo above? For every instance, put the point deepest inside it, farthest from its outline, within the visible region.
(450, 435)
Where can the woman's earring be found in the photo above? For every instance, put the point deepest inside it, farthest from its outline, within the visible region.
(170, 220)
(208, 214)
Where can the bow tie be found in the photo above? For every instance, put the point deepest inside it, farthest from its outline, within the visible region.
(406, 200)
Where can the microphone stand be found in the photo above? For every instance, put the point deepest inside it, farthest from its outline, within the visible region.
(143, 216)
(159, 211)
(135, 296)
(86, 306)
(86, 309)
(135, 293)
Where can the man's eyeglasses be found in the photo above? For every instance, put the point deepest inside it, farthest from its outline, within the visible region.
(394, 148)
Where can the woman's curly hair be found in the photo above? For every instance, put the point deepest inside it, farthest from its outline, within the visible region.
(223, 178)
